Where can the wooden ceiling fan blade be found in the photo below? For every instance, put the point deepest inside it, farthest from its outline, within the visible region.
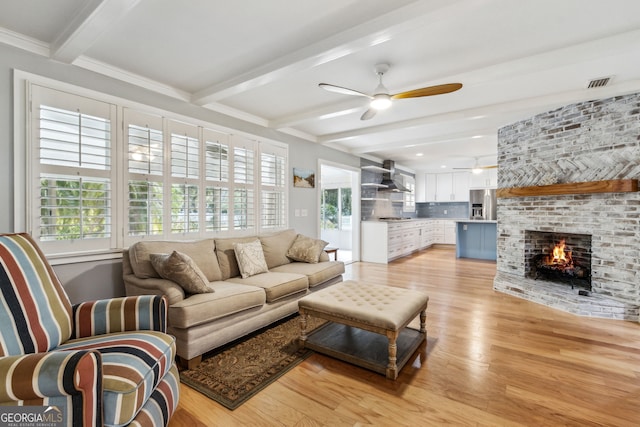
(369, 114)
(342, 90)
(478, 167)
(428, 91)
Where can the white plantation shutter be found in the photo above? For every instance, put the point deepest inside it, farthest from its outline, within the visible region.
(72, 172)
(273, 183)
(185, 178)
(216, 161)
(243, 184)
(145, 175)
(103, 175)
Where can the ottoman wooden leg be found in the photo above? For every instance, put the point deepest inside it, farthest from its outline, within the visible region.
(423, 321)
(392, 367)
(303, 328)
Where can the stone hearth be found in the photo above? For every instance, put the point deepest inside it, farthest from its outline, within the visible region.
(589, 141)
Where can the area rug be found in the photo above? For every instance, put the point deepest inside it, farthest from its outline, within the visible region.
(236, 372)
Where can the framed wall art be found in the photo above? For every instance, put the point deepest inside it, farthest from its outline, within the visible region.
(304, 178)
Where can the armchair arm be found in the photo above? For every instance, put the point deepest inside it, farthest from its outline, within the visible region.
(71, 380)
(153, 286)
(135, 313)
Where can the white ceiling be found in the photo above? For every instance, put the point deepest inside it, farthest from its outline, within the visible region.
(261, 61)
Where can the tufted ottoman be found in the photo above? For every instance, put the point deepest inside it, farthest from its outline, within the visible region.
(367, 324)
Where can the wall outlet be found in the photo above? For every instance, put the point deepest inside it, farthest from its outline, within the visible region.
(445, 211)
(296, 212)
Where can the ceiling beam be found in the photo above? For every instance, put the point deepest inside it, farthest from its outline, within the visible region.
(564, 56)
(534, 103)
(365, 35)
(336, 109)
(421, 142)
(87, 26)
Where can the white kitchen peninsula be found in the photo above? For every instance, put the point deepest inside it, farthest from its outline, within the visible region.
(384, 241)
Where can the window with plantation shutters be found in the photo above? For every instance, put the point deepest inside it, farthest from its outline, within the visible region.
(185, 178)
(216, 163)
(145, 167)
(104, 173)
(72, 164)
(243, 184)
(273, 179)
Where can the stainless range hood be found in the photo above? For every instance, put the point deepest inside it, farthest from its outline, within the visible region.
(388, 178)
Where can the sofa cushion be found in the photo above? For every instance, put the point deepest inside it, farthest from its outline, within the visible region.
(276, 245)
(276, 285)
(228, 298)
(306, 249)
(181, 269)
(132, 365)
(316, 273)
(227, 256)
(202, 252)
(250, 258)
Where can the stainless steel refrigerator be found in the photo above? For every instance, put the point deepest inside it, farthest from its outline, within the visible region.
(482, 204)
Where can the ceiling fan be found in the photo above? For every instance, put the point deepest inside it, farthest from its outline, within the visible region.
(381, 99)
(476, 168)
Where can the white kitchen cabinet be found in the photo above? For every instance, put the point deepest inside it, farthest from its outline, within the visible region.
(450, 233)
(430, 187)
(426, 233)
(460, 184)
(444, 187)
(421, 190)
(447, 187)
(384, 241)
(444, 231)
(487, 179)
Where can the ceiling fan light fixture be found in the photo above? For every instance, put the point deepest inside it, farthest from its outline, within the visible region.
(476, 171)
(381, 101)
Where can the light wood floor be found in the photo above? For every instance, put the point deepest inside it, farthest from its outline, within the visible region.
(490, 360)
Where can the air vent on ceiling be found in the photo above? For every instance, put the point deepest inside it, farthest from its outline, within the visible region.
(603, 81)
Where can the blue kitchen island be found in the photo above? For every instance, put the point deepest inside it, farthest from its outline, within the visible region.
(476, 239)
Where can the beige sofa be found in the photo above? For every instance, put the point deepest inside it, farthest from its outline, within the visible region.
(237, 306)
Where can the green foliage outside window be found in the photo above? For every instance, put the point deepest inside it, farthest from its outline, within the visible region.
(336, 203)
(74, 208)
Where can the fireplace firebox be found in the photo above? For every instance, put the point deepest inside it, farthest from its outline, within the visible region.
(559, 257)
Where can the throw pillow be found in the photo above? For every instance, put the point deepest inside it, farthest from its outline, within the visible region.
(306, 249)
(181, 269)
(250, 258)
(276, 245)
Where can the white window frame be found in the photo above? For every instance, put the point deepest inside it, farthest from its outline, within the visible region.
(87, 106)
(155, 123)
(279, 187)
(24, 192)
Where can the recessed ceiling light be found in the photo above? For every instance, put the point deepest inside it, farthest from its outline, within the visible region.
(419, 154)
(476, 136)
(443, 166)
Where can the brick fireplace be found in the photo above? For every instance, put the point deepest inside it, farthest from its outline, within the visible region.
(590, 141)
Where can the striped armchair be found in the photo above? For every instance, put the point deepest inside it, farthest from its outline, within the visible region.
(106, 362)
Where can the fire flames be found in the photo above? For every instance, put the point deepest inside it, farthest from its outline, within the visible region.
(557, 261)
(559, 256)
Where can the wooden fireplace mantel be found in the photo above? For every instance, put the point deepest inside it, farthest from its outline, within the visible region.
(607, 186)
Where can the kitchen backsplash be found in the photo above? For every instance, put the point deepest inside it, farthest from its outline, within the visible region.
(373, 209)
(443, 210)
